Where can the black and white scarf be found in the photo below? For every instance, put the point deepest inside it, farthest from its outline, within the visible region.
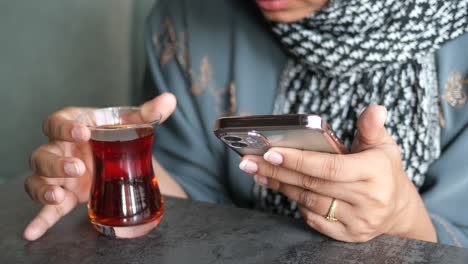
(354, 53)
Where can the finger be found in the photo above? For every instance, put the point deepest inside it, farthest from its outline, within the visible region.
(335, 230)
(62, 126)
(160, 107)
(46, 163)
(319, 204)
(43, 192)
(371, 129)
(282, 175)
(48, 216)
(266, 182)
(330, 167)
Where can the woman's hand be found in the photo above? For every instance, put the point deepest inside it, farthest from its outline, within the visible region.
(62, 169)
(373, 194)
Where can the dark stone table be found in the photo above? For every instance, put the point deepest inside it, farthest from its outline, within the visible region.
(194, 232)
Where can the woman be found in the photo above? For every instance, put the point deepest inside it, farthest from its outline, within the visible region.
(336, 59)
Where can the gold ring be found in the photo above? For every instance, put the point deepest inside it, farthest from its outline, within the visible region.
(331, 212)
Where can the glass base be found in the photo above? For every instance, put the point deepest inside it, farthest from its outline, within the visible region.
(126, 232)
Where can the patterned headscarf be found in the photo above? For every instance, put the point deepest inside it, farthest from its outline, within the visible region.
(354, 53)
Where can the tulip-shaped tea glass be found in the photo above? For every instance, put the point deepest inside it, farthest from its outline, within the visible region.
(125, 201)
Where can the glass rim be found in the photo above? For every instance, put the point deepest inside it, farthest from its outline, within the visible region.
(129, 126)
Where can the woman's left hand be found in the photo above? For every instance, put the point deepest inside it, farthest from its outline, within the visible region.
(373, 194)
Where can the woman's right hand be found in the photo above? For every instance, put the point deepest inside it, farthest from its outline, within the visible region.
(62, 169)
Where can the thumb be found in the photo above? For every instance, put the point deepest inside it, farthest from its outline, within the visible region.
(371, 128)
(161, 106)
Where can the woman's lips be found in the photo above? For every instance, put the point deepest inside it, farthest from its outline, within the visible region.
(272, 5)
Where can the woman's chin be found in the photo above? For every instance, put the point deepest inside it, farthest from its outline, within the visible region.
(283, 16)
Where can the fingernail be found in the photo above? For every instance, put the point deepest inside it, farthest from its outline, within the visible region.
(248, 166)
(49, 196)
(78, 133)
(273, 157)
(261, 180)
(71, 168)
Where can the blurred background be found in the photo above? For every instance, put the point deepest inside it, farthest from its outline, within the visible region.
(56, 53)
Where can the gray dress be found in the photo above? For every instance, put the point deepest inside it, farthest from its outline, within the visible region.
(219, 58)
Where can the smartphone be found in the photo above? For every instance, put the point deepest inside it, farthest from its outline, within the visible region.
(254, 135)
